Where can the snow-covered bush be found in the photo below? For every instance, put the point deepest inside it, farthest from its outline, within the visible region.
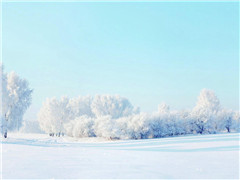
(166, 124)
(105, 126)
(80, 127)
(135, 126)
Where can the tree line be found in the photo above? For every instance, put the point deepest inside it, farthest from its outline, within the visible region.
(110, 116)
(114, 117)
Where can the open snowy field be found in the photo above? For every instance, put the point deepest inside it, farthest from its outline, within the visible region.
(39, 156)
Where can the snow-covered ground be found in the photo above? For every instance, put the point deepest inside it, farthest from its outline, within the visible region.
(39, 156)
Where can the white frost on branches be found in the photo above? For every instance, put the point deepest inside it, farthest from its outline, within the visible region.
(15, 100)
(114, 117)
(115, 106)
(54, 114)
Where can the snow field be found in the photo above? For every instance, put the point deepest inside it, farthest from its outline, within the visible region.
(39, 156)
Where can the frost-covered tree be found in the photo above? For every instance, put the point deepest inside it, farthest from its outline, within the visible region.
(4, 102)
(167, 124)
(227, 120)
(163, 108)
(236, 118)
(54, 114)
(16, 98)
(115, 106)
(186, 121)
(205, 112)
(20, 96)
(81, 106)
(207, 102)
(157, 126)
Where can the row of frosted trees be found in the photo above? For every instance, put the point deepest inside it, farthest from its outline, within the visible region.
(114, 117)
(110, 116)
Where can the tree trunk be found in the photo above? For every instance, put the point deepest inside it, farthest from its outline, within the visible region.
(228, 129)
(6, 126)
(5, 134)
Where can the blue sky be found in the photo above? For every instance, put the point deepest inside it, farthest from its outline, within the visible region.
(147, 52)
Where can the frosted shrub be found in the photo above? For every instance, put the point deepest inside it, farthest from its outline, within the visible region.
(80, 127)
(134, 127)
(105, 126)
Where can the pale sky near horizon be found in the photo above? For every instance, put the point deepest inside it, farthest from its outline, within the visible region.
(147, 52)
